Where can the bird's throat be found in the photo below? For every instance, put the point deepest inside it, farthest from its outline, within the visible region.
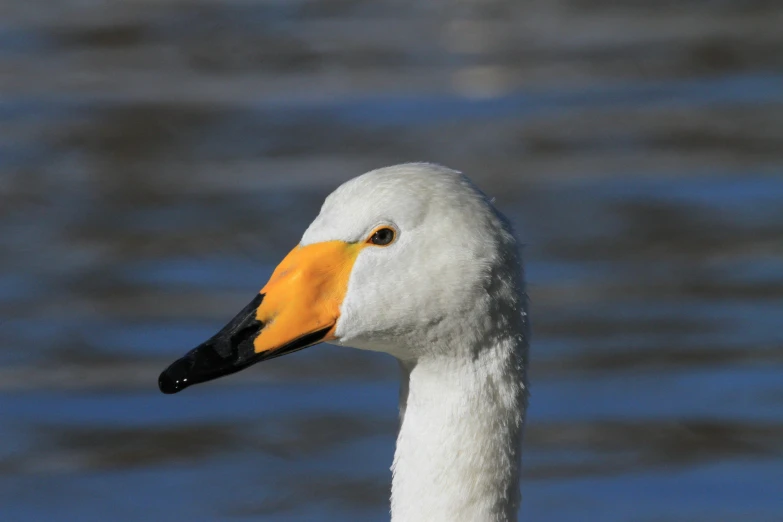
(459, 444)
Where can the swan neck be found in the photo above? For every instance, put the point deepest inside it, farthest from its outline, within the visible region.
(459, 445)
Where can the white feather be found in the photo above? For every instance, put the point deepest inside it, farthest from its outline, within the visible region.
(447, 299)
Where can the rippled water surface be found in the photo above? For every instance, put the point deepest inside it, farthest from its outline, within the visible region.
(157, 158)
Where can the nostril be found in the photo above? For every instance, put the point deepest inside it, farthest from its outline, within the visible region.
(246, 333)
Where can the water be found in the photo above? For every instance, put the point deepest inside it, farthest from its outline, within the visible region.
(158, 158)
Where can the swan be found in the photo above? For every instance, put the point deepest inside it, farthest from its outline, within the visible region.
(411, 260)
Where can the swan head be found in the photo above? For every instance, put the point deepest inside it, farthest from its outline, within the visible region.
(411, 260)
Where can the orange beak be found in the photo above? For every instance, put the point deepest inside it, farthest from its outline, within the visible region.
(298, 307)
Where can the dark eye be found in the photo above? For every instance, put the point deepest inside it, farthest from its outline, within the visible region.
(382, 237)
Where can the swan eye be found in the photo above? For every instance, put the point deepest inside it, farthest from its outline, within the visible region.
(382, 237)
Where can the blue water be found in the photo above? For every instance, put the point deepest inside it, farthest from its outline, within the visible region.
(157, 160)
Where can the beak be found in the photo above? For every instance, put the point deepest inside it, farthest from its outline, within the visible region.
(298, 307)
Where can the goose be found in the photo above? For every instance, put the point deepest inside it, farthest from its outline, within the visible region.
(412, 260)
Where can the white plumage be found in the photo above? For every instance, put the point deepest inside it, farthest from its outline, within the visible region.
(447, 299)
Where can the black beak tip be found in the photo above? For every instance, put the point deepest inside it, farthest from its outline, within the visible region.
(169, 385)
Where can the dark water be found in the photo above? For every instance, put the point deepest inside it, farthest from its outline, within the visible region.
(157, 158)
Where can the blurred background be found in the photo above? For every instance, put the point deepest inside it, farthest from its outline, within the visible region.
(158, 157)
